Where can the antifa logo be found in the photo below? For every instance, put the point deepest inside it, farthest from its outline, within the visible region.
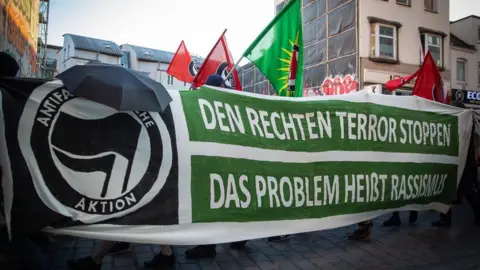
(223, 71)
(439, 92)
(96, 150)
(94, 161)
(192, 68)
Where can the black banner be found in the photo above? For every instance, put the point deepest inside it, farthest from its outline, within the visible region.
(127, 161)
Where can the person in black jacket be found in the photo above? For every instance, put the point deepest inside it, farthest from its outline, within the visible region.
(209, 251)
(468, 183)
(29, 249)
(9, 66)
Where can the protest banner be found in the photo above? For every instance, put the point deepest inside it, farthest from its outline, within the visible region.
(222, 166)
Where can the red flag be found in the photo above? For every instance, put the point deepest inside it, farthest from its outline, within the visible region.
(182, 66)
(399, 82)
(219, 61)
(428, 84)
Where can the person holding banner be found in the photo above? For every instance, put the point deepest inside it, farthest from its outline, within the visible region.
(209, 251)
(468, 183)
(28, 248)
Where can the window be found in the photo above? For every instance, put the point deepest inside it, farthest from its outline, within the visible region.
(478, 73)
(279, 7)
(68, 52)
(170, 80)
(64, 54)
(431, 5)
(125, 60)
(461, 70)
(384, 38)
(404, 2)
(433, 44)
(478, 34)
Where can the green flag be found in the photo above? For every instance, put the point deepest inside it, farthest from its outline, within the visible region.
(278, 51)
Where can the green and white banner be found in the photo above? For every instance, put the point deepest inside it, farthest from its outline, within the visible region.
(255, 158)
(223, 166)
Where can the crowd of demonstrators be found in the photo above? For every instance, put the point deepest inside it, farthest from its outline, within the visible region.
(29, 247)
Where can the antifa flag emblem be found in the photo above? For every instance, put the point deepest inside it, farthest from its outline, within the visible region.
(192, 68)
(93, 166)
(223, 71)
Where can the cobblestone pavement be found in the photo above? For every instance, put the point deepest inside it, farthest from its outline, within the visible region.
(407, 247)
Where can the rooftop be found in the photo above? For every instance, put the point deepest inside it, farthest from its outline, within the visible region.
(467, 17)
(95, 45)
(457, 42)
(153, 55)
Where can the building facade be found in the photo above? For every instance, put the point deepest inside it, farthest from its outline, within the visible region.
(51, 55)
(19, 33)
(392, 33)
(330, 50)
(79, 50)
(352, 44)
(465, 55)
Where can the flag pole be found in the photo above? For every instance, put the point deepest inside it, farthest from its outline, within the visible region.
(235, 66)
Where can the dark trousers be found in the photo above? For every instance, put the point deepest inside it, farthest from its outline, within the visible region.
(468, 190)
(213, 246)
(468, 186)
(397, 214)
(29, 253)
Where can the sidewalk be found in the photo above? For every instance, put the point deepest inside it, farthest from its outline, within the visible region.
(407, 247)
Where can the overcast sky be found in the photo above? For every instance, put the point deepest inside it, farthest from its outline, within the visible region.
(162, 24)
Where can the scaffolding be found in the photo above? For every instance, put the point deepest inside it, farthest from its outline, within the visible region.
(42, 38)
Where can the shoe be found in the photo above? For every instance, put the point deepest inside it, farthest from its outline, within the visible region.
(238, 245)
(392, 221)
(160, 261)
(201, 252)
(360, 234)
(279, 238)
(86, 263)
(412, 219)
(442, 223)
(120, 248)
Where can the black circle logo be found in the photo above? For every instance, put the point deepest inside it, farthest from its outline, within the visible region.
(192, 68)
(94, 161)
(223, 70)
